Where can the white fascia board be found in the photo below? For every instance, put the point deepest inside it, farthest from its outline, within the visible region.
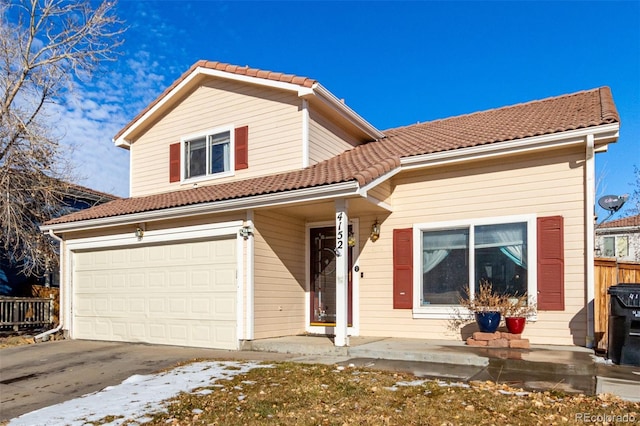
(339, 190)
(535, 143)
(336, 104)
(159, 236)
(363, 192)
(377, 181)
(379, 203)
(124, 143)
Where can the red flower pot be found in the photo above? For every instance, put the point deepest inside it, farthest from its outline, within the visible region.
(515, 325)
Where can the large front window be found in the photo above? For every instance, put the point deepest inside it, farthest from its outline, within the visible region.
(207, 155)
(456, 257)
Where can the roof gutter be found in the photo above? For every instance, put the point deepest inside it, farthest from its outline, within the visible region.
(602, 134)
(617, 229)
(338, 190)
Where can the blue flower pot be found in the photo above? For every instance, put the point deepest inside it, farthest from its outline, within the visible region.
(488, 322)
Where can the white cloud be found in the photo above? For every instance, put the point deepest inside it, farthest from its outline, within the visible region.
(91, 113)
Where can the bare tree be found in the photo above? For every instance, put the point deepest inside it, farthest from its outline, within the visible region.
(635, 197)
(45, 46)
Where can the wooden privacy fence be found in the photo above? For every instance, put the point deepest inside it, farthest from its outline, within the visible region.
(609, 272)
(25, 312)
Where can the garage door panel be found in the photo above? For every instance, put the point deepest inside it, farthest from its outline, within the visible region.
(157, 280)
(181, 294)
(157, 306)
(137, 330)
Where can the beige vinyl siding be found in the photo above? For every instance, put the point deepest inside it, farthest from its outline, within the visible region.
(279, 275)
(275, 132)
(326, 140)
(544, 185)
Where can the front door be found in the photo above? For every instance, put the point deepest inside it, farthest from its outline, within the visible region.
(323, 277)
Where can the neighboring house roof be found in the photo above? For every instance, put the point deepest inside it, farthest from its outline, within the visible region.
(624, 222)
(367, 162)
(82, 192)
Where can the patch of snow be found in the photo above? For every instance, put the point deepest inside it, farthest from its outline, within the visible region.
(150, 393)
(412, 383)
(452, 384)
(601, 360)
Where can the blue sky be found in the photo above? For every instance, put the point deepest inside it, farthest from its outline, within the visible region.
(395, 63)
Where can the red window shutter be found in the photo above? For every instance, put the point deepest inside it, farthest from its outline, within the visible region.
(403, 268)
(551, 263)
(174, 162)
(242, 147)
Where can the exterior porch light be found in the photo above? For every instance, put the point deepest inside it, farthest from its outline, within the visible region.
(139, 233)
(351, 241)
(246, 232)
(375, 231)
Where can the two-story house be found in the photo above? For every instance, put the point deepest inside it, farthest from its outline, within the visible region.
(261, 206)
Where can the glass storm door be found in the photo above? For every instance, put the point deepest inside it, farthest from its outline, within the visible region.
(323, 277)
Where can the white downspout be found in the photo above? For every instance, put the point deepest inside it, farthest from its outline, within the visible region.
(590, 205)
(60, 316)
(305, 133)
(240, 239)
(250, 278)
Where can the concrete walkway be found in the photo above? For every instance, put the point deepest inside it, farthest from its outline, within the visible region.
(569, 369)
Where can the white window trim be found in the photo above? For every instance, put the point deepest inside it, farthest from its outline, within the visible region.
(449, 311)
(616, 253)
(206, 134)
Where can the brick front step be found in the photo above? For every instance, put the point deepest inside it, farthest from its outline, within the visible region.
(499, 339)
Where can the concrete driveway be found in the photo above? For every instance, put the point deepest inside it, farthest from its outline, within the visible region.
(36, 376)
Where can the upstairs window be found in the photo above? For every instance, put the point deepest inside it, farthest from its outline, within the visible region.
(216, 153)
(207, 155)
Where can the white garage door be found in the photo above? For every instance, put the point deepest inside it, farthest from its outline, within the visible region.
(174, 294)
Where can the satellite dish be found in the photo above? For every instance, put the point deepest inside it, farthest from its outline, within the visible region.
(613, 203)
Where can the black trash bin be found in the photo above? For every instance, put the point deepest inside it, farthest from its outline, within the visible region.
(624, 324)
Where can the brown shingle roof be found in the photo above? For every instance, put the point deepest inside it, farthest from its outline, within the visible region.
(220, 66)
(559, 114)
(622, 223)
(369, 161)
(362, 164)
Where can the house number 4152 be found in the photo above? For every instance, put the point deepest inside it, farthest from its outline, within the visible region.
(339, 235)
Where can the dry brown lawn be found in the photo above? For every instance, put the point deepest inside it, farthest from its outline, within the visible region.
(302, 394)
(6, 342)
